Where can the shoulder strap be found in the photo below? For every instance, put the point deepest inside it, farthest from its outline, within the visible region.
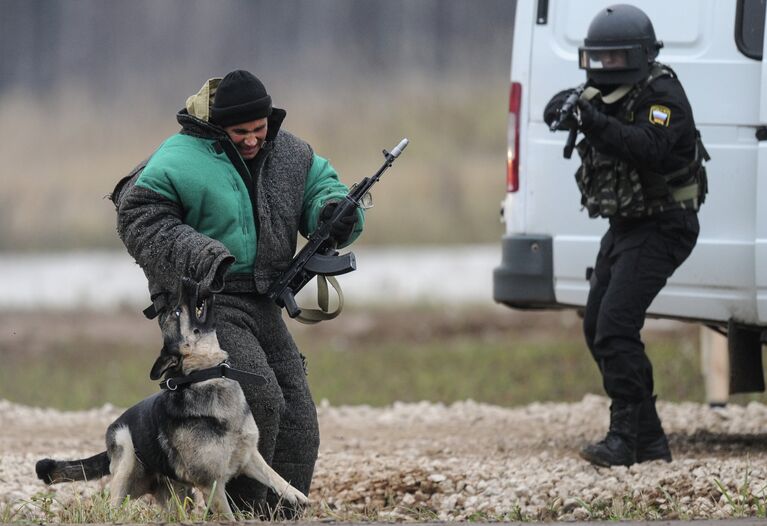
(590, 92)
(657, 71)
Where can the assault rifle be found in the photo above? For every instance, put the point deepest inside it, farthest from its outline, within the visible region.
(319, 255)
(566, 112)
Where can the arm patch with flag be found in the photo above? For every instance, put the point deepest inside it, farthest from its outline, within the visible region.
(660, 115)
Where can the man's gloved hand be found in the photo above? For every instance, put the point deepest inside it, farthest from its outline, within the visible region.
(591, 118)
(214, 281)
(212, 265)
(342, 229)
(551, 111)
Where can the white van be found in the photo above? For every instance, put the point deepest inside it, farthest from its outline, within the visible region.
(715, 47)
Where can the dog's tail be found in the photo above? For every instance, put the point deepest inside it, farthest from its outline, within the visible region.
(54, 471)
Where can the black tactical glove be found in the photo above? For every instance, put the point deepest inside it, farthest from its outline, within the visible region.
(551, 112)
(343, 228)
(591, 118)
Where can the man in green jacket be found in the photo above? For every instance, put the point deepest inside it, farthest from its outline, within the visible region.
(222, 202)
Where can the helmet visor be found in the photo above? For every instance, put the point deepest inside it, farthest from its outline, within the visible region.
(616, 58)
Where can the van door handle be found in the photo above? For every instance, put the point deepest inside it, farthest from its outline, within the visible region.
(761, 133)
(542, 17)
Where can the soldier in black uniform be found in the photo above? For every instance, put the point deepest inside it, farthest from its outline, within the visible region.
(642, 167)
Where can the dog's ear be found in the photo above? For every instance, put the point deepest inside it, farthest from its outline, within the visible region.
(164, 362)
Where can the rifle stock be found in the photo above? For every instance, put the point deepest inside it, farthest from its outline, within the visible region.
(319, 256)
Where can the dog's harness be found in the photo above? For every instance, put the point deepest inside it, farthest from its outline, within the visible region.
(222, 370)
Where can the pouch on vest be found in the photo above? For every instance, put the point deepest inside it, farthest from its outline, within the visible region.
(686, 187)
(701, 177)
(609, 187)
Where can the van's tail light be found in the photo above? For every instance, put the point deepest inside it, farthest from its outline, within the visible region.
(512, 153)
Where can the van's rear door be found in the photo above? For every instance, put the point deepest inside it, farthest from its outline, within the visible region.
(750, 20)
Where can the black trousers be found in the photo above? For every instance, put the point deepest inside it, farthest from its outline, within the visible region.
(636, 258)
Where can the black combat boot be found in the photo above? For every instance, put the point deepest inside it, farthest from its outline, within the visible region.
(651, 440)
(618, 448)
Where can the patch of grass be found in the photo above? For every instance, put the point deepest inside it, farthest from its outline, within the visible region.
(12, 512)
(743, 500)
(96, 508)
(411, 355)
(740, 501)
(504, 373)
(79, 375)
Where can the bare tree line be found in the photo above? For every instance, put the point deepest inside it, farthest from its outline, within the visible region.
(108, 46)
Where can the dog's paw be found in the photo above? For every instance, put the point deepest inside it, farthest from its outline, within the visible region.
(294, 497)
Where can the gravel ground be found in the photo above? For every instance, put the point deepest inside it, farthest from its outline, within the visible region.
(467, 461)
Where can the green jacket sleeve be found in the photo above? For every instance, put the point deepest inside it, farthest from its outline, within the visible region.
(323, 186)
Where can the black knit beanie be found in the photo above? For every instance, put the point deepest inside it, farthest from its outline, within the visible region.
(240, 97)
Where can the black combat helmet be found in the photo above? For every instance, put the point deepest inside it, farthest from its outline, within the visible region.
(619, 47)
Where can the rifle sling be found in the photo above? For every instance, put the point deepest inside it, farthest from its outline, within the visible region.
(312, 316)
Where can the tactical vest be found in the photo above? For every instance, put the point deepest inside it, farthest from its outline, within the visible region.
(611, 187)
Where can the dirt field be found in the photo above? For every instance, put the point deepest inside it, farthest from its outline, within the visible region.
(431, 461)
(467, 460)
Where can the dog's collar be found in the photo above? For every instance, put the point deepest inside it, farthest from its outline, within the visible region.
(223, 370)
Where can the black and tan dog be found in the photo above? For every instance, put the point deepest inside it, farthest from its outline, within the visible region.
(197, 432)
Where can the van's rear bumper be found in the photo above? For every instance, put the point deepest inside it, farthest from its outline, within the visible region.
(525, 278)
